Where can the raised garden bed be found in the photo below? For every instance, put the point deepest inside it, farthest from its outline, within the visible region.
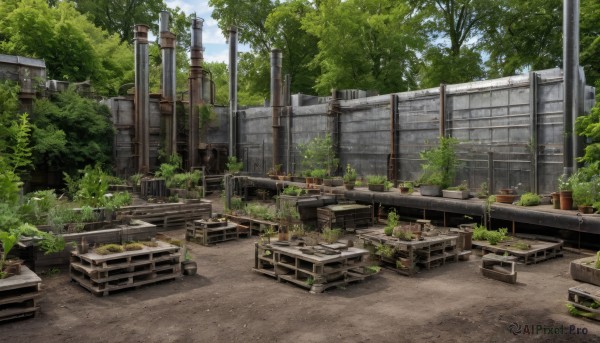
(348, 216)
(455, 194)
(169, 216)
(540, 248)
(584, 270)
(207, 233)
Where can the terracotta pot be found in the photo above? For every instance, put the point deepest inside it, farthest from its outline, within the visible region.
(566, 200)
(555, 200)
(586, 209)
(350, 185)
(404, 190)
(506, 191)
(505, 198)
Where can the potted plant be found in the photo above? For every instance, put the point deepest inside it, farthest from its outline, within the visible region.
(566, 192)
(188, 267)
(376, 183)
(406, 187)
(584, 195)
(349, 177)
(457, 192)
(439, 168)
(319, 154)
(529, 199)
(7, 267)
(318, 175)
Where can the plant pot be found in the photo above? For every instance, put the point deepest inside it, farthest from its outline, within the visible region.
(506, 191)
(318, 181)
(505, 198)
(566, 200)
(309, 180)
(584, 270)
(328, 182)
(336, 182)
(376, 188)
(350, 185)
(555, 200)
(430, 190)
(584, 209)
(189, 268)
(12, 267)
(404, 190)
(455, 194)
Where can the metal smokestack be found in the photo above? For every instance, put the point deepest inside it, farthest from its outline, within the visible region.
(232, 89)
(195, 91)
(142, 97)
(276, 58)
(570, 85)
(168, 82)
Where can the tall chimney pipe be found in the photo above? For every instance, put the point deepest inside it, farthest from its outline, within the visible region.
(232, 89)
(142, 97)
(570, 85)
(195, 85)
(276, 58)
(168, 82)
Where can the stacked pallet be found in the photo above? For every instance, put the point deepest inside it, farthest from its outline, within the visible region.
(348, 216)
(19, 295)
(153, 188)
(206, 232)
(251, 225)
(406, 257)
(586, 299)
(171, 215)
(315, 268)
(102, 274)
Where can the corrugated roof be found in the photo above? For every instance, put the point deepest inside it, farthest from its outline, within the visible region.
(25, 61)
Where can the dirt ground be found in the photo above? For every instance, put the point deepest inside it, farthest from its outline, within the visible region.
(228, 302)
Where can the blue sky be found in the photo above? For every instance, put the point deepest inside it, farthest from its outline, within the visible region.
(213, 40)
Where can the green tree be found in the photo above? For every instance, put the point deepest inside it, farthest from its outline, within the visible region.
(365, 44)
(70, 132)
(119, 16)
(441, 66)
(220, 75)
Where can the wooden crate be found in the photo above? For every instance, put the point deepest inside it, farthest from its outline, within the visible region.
(585, 297)
(348, 216)
(169, 216)
(316, 272)
(253, 225)
(103, 274)
(19, 295)
(206, 233)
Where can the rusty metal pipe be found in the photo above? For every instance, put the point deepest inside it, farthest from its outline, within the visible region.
(168, 82)
(232, 89)
(142, 97)
(276, 58)
(195, 86)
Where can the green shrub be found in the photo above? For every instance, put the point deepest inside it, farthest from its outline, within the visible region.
(331, 235)
(494, 237)
(319, 173)
(479, 232)
(233, 165)
(529, 199)
(376, 179)
(133, 246)
(109, 249)
(440, 164)
(386, 250)
(294, 191)
(350, 174)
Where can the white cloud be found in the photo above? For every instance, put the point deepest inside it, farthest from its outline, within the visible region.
(201, 7)
(217, 54)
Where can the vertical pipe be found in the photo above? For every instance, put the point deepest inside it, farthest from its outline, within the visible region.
(195, 85)
(276, 58)
(142, 97)
(286, 101)
(442, 110)
(533, 123)
(232, 89)
(393, 139)
(168, 83)
(579, 148)
(570, 69)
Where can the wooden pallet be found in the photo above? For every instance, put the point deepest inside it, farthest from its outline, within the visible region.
(586, 297)
(255, 226)
(103, 274)
(542, 248)
(169, 216)
(316, 272)
(411, 256)
(501, 268)
(349, 216)
(206, 233)
(19, 295)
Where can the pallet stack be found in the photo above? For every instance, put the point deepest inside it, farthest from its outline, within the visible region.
(19, 295)
(103, 274)
(206, 232)
(540, 248)
(252, 226)
(315, 268)
(348, 216)
(169, 216)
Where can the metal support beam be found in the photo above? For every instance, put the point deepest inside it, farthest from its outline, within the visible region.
(168, 84)
(442, 110)
(570, 89)
(232, 90)
(276, 58)
(195, 89)
(533, 122)
(394, 139)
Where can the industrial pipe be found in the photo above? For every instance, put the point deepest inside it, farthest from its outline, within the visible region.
(276, 58)
(142, 97)
(168, 83)
(570, 88)
(232, 89)
(195, 86)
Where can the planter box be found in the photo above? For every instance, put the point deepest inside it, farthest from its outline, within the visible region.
(455, 194)
(19, 295)
(505, 198)
(376, 188)
(584, 270)
(430, 190)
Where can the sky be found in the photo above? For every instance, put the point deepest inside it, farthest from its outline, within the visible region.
(215, 44)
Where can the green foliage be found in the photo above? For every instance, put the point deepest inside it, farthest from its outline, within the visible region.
(331, 235)
(393, 219)
(135, 179)
(318, 154)
(564, 183)
(70, 132)
(319, 173)
(207, 115)
(479, 232)
(108, 249)
(388, 230)
(133, 246)
(575, 312)
(441, 163)
(585, 184)
(294, 190)
(20, 157)
(350, 174)
(387, 251)
(8, 241)
(259, 211)
(92, 186)
(494, 237)
(404, 234)
(233, 165)
(188, 180)
(597, 264)
(442, 66)
(529, 199)
(376, 179)
(521, 245)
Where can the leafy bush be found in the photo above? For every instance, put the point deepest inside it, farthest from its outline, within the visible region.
(392, 222)
(319, 173)
(386, 250)
(376, 179)
(479, 232)
(233, 165)
(260, 211)
(441, 163)
(529, 199)
(318, 153)
(350, 174)
(294, 191)
(133, 246)
(403, 233)
(331, 235)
